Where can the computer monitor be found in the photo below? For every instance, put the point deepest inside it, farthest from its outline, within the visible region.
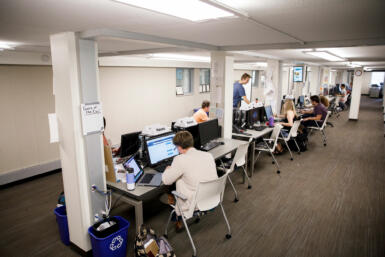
(301, 100)
(253, 116)
(326, 91)
(131, 163)
(208, 130)
(268, 112)
(237, 117)
(195, 134)
(161, 148)
(129, 144)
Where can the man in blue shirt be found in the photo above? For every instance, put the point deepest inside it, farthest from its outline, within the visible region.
(239, 91)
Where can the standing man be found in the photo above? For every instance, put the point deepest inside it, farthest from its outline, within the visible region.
(239, 91)
(201, 114)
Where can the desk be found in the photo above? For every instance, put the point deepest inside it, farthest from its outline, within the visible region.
(254, 135)
(141, 193)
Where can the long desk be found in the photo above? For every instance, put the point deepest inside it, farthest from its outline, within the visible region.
(141, 193)
(254, 135)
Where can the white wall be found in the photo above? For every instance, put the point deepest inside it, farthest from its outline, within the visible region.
(25, 101)
(134, 97)
(366, 77)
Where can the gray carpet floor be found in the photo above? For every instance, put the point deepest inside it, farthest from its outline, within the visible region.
(329, 201)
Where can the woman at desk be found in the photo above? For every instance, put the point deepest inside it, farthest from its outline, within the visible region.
(289, 116)
(187, 170)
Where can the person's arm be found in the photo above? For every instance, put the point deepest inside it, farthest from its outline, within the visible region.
(317, 117)
(245, 99)
(172, 173)
(306, 111)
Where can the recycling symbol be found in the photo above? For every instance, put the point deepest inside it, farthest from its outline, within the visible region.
(116, 243)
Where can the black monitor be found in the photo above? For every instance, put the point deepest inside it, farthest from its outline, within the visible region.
(301, 100)
(195, 134)
(268, 112)
(253, 116)
(161, 148)
(208, 130)
(237, 117)
(129, 144)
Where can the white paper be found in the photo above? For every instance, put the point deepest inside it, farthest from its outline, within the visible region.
(219, 95)
(53, 128)
(92, 118)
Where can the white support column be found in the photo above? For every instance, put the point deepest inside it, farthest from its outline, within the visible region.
(75, 81)
(356, 94)
(273, 90)
(314, 80)
(221, 96)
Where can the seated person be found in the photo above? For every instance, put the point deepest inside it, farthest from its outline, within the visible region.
(342, 97)
(201, 114)
(317, 115)
(289, 115)
(188, 169)
(324, 100)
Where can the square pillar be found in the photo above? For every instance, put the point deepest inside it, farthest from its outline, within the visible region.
(273, 90)
(356, 94)
(221, 95)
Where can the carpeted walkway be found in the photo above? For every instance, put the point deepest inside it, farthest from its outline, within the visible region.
(329, 201)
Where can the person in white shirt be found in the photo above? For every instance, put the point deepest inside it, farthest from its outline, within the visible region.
(343, 96)
(188, 169)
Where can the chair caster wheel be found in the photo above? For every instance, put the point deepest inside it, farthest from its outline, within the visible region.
(299, 153)
(165, 236)
(197, 220)
(236, 200)
(272, 162)
(278, 171)
(249, 187)
(194, 256)
(324, 144)
(291, 159)
(228, 236)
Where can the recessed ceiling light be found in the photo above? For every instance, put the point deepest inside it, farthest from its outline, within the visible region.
(5, 46)
(193, 10)
(180, 57)
(325, 55)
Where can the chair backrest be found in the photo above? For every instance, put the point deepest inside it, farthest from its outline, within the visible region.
(210, 193)
(275, 134)
(294, 129)
(326, 119)
(240, 156)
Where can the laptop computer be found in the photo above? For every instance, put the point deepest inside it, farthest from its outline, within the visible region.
(141, 178)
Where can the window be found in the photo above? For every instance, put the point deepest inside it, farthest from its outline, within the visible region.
(204, 80)
(184, 81)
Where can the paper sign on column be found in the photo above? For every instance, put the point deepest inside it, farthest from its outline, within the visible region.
(53, 128)
(92, 118)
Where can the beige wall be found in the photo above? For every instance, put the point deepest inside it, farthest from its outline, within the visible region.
(131, 97)
(25, 100)
(134, 97)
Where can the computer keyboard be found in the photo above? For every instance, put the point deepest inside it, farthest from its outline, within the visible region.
(210, 145)
(162, 166)
(147, 178)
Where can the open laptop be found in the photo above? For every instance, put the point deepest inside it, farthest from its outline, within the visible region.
(141, 178)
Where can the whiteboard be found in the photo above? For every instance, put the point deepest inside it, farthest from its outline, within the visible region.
(92, 118)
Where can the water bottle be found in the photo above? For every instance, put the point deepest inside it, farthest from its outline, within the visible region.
(271, 121)
(130, 179)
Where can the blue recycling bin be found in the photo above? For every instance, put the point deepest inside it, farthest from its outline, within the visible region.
(113, 245)
(61, 218)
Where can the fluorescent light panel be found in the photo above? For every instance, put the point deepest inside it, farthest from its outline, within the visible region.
(6, 46)
(180, 57)
(326, 55)
(193, 10)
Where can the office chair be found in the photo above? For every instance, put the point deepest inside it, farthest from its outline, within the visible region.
(321, 128)
(239, 160)
(292, 135)
(208, 196)
(269, 145)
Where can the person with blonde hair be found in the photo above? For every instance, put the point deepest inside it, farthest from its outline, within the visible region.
(289, 115)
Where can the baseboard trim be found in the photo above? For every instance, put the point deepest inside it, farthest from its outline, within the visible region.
(15, 175)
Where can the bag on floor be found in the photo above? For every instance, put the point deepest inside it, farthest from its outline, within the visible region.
(147, 244)
(302, 141)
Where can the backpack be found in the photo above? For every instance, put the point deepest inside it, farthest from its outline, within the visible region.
(145, 235)
(301, 140)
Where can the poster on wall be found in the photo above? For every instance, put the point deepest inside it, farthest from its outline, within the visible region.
(298, 74)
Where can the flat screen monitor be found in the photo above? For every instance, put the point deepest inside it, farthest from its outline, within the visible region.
(301, 100)
(253, 116)
(208, 130)
(131, 163)
(326, 91)
(129, 144)
(161, 148)
(298, 74)
(268, 111)
(195, 133)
